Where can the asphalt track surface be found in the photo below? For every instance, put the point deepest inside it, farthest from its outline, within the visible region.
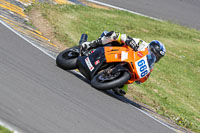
(38, 97)
(184, 12)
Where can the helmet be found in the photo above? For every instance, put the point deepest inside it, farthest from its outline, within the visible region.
(158, 49)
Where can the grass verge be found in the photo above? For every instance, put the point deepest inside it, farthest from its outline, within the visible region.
(173, 89)
(4, 130)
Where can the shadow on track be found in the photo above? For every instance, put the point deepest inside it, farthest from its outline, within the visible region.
(108, 92)
(152, 113)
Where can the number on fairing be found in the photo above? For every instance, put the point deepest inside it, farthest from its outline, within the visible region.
(142, 67)
(141, 63)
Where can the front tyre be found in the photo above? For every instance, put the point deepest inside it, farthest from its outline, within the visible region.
(67, 58)
(102, 81)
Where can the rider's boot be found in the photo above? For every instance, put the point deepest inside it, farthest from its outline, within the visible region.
(121, 91)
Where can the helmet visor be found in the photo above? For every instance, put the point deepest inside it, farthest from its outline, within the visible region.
(151, 58)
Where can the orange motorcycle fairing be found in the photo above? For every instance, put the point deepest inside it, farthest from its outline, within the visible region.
(128, 55)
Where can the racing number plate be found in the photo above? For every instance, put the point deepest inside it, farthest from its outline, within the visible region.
(142, 67)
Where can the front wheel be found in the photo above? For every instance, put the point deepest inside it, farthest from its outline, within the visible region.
(67, 58)
(103, 81)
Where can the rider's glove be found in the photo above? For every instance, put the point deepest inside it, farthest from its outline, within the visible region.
(130, 42)
(109, 37)
(86, 45)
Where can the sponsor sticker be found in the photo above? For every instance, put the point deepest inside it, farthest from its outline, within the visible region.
(89, 64)
(140, 54)
(124, 55)
(115, 56)
(97, 62)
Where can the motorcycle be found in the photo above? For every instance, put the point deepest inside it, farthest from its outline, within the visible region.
(107, 67)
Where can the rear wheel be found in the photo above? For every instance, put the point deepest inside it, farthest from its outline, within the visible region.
(103, 81)
(67, 58)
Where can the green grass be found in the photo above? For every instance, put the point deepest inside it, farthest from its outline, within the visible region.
(4, 130)
(173, 88)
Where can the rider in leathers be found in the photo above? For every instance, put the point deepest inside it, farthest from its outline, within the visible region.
(156, 50)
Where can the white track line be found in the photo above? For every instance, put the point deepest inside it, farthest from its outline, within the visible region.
(41, 49)
(26, 39)
(73, 71)
(119, 8)
(8, 127)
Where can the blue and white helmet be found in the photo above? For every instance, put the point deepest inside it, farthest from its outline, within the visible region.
(158, 49)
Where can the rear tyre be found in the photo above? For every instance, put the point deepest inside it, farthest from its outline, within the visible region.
(67, 58)
(103, 82)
